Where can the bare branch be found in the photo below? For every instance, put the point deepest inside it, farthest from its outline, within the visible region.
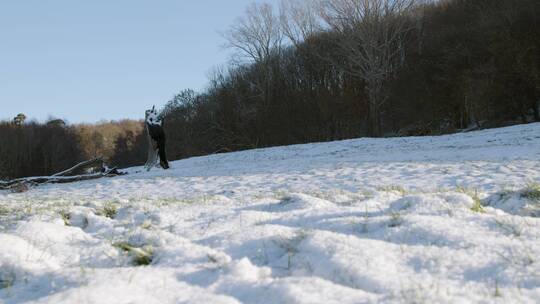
(299, 20)
(257, 34)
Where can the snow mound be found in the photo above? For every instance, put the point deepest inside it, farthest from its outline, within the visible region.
(300, 201)
(433, 204)
(525, 202)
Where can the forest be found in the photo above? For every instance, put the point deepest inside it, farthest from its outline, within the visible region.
(311, 71)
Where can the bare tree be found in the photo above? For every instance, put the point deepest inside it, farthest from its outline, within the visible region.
(257, 34)
(371, 37)
(299, 20)
(258, 37)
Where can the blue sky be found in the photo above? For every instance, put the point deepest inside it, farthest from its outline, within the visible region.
(87, 60)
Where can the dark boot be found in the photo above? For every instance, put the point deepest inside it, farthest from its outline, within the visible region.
(164, 164)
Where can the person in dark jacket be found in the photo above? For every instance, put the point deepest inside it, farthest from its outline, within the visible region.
(156, 140)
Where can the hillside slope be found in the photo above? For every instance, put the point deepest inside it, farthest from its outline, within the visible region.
(407, 220)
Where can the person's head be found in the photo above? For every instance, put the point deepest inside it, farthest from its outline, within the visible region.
(152, 116)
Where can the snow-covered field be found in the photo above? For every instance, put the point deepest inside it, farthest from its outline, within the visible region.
(402, 220)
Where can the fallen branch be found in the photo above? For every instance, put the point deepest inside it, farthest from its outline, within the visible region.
(62, 177)
(82, 167)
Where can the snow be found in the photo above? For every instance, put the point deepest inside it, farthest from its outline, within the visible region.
(393, 220)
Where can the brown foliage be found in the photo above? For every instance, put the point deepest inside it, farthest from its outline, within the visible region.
(35, 149)
(100, 139)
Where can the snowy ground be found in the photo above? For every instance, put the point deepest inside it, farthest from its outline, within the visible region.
(404, 220)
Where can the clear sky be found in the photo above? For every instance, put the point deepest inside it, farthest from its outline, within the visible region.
(87, 60)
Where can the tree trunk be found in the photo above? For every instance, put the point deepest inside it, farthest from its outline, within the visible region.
(536, 111)
(376, 100)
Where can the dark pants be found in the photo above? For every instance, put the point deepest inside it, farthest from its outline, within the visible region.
(162, 155)
(157, 134)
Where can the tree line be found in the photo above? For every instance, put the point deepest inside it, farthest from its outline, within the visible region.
(41, 149)
(324, 70)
